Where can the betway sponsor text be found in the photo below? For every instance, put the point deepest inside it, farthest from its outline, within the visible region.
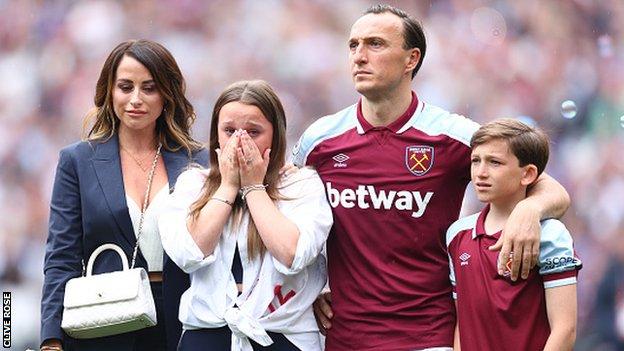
(366, 196)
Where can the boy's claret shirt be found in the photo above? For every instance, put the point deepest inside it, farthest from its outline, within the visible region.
(495, 312)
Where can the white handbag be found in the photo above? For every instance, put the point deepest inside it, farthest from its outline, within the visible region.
(111, 303)
(108, 303)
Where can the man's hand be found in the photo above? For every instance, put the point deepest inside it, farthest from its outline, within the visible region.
(323, 311)
(519, 241)
(288, 169)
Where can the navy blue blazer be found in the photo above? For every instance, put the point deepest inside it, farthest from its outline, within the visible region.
(88, 208)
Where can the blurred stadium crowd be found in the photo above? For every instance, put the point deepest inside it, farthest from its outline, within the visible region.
(485, 59)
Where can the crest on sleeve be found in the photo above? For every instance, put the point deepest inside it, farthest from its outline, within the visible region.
(419, 159)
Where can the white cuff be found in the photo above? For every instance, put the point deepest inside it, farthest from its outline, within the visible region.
(299, 261)
(180, 246)
(559, 282)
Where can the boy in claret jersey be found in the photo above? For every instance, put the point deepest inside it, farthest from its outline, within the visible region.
(494, 312)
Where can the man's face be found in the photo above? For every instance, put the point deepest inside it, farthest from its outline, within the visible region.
(379, 63)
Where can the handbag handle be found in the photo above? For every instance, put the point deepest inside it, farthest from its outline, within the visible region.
(122, 254)
(150, 177)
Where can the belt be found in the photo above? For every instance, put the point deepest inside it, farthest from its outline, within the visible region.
(155, 277)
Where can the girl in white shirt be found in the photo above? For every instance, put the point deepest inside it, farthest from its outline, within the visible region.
(250, 239)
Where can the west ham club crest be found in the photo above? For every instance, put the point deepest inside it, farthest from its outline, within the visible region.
(419, 159)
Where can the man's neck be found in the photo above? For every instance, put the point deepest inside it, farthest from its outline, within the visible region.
(382, 111)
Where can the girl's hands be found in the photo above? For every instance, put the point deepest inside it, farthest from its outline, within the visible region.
(252, 165)
(229, 166)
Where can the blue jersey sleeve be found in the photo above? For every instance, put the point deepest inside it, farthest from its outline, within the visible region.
(556, 250)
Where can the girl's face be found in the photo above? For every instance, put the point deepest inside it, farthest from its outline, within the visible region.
(237, 115)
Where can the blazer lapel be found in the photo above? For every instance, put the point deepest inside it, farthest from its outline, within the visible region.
(107, 166)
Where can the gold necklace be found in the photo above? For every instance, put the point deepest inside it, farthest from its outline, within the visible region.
(139, 163)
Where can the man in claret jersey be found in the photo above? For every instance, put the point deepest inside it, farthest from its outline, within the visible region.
(395, 169)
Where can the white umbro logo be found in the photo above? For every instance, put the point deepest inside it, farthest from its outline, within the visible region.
(464, 259)
(340, 160)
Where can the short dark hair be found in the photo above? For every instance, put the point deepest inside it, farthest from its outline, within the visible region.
(528, 144)
(413, 34)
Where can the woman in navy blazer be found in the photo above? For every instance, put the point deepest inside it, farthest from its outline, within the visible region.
(140, 108)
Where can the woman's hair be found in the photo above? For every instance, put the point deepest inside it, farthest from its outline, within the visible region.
(260, 94)
(173, 127)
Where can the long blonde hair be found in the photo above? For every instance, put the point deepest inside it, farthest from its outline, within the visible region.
(173, 127)
(260, 94)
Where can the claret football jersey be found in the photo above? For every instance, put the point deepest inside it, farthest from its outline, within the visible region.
(394, 191)
(484, 298)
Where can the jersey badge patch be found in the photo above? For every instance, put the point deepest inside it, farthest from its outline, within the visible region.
(419, 159)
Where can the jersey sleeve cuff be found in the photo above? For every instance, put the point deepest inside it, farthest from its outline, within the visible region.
(560, 279)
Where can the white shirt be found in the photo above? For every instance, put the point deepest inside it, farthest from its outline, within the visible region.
(212, 301)
(149, 243)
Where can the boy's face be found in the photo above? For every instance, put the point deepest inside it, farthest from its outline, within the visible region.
(496, 173)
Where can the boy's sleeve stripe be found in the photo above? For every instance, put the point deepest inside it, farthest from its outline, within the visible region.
(561, 275)
(559, 282)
